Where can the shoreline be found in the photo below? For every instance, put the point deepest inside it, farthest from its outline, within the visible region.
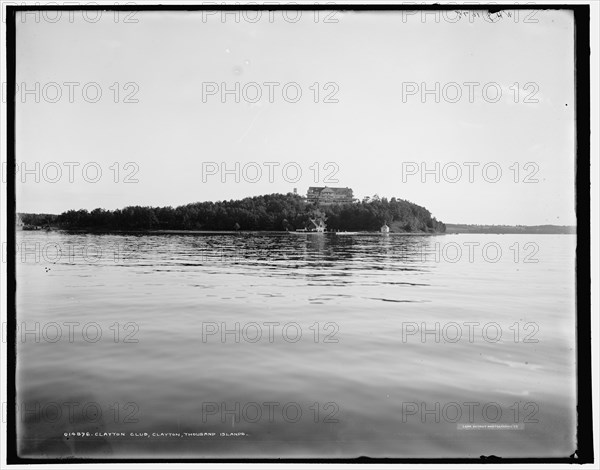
(283, 232)
(230, 232)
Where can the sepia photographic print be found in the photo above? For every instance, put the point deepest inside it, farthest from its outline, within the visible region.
(287, 233)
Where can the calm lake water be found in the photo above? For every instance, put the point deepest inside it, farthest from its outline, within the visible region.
(290, 345)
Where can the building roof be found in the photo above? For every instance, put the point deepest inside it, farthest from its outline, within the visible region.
(319, 189)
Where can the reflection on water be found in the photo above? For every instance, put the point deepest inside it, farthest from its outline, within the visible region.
(295, 345)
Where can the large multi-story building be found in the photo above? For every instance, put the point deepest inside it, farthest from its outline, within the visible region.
(325, 195)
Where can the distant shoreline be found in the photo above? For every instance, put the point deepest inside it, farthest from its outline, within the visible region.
(270, 212)
(226, 232)
(508, 230)
(512, 229)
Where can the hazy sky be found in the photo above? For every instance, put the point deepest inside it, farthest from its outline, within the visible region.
(371, 136)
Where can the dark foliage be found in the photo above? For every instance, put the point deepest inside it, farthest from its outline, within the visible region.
(38, 220)
(269, 212)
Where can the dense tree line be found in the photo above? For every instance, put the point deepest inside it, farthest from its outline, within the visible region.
(269, 212)
(38, 220)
